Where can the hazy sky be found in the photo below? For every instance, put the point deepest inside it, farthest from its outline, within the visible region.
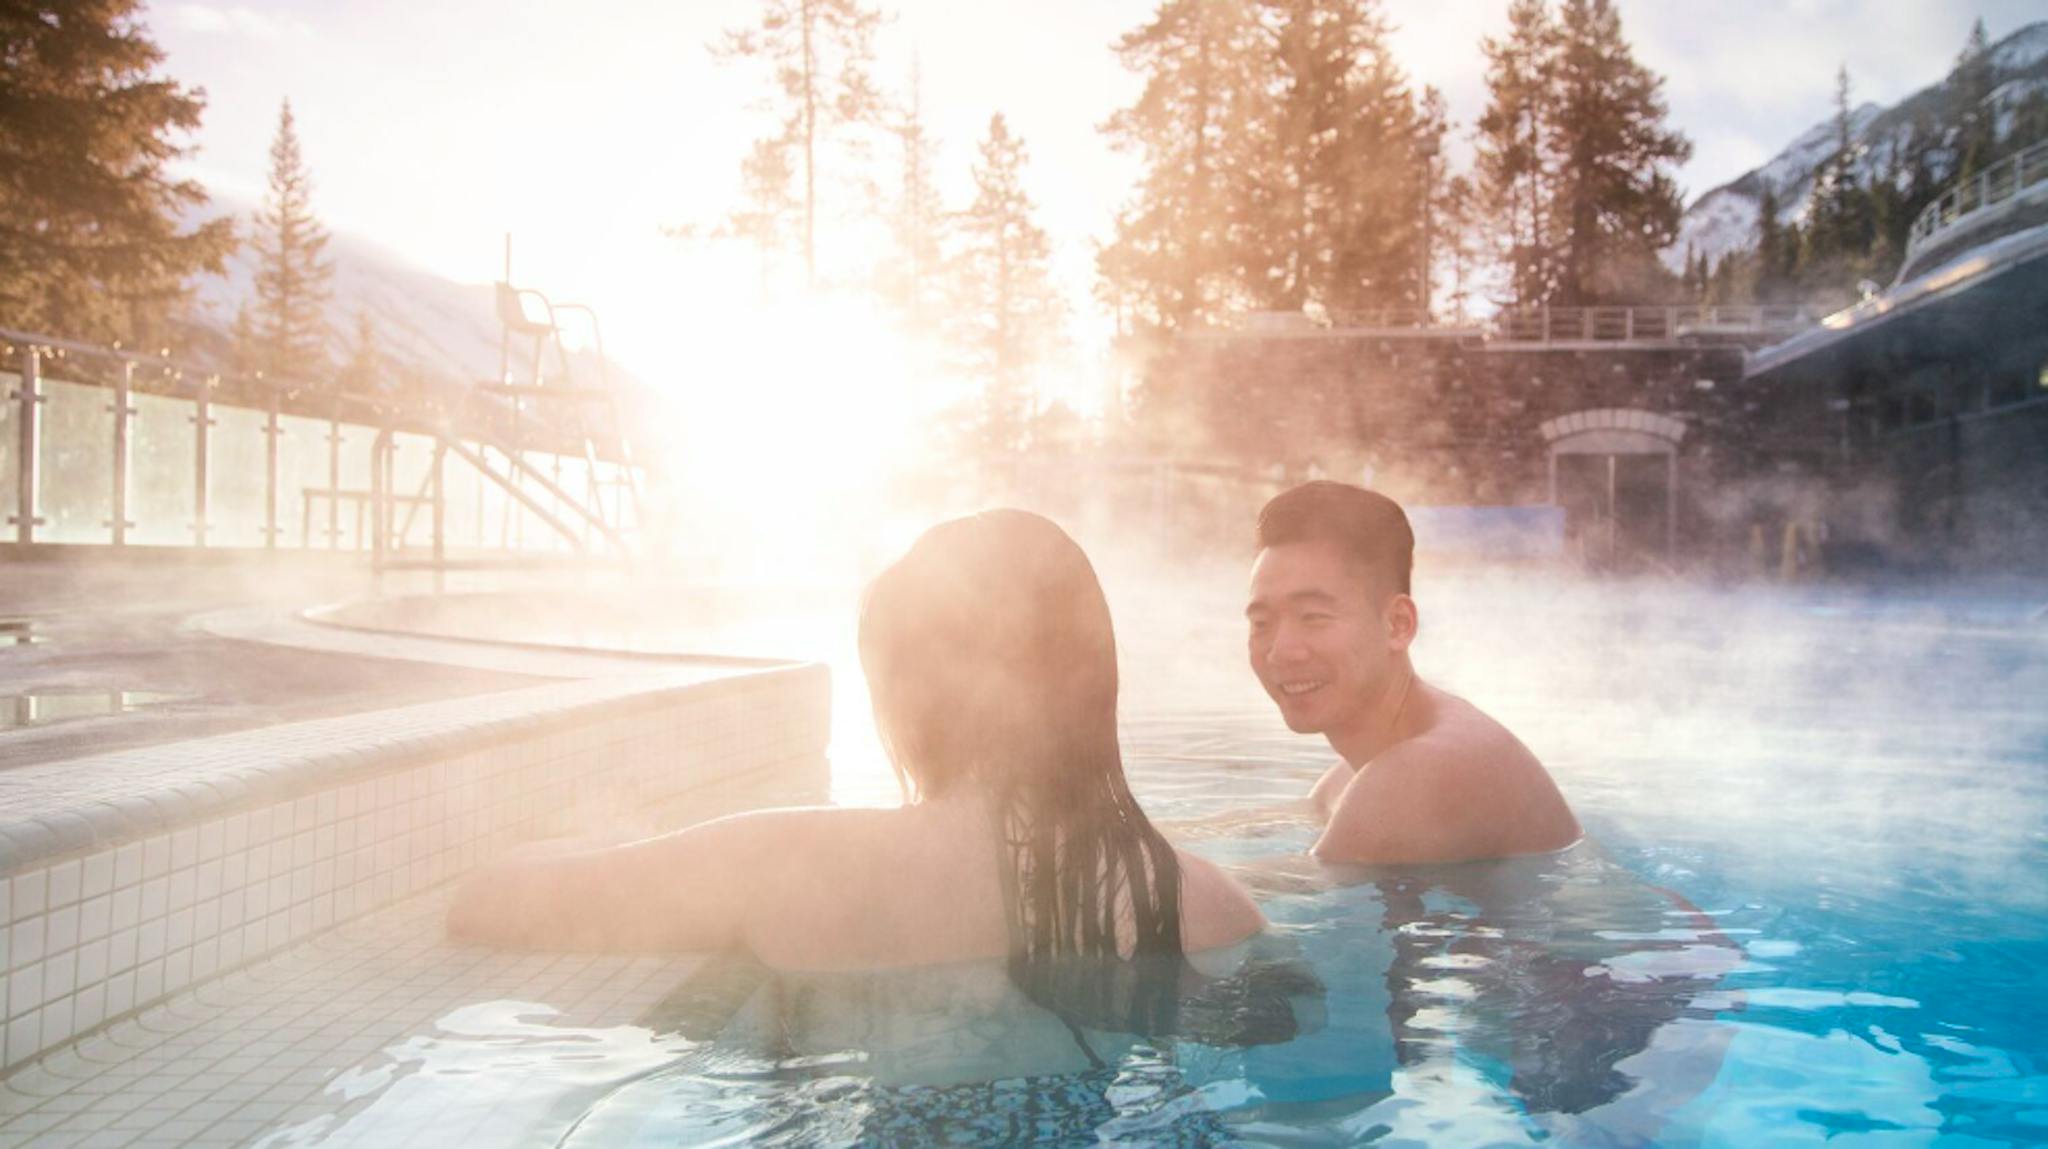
(437, 125)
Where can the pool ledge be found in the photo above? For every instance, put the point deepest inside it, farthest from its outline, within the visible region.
(131, 875)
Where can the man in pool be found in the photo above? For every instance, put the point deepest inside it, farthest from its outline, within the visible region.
(1424, 776)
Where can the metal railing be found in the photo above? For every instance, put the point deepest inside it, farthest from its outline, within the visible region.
(1644, 324)
(1626, 323)
(136, 449)
(1963, 202)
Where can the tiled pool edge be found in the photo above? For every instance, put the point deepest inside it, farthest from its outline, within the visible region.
(132, 875)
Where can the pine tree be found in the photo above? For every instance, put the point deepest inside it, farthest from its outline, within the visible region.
(1008, 311)
(820, 51)
(771, 214)
(1459, 249)
(1340, 167)
(292, 271)
(1777, 251)
(91, 240)
(1169, 266)
(1514, 149)
(365, 374)
(1969, 105)
(917, 218)
(1837, 238)
(1615, 201)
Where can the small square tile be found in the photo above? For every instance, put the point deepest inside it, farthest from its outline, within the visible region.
(126, 905)
(95, 917)
(123, 948)
(25, 990)
(211, 839)
(67, 879)
(150, 940)
(91, 1007)
(128, 865)
(63, 928)
(156, 856)
(120, 993)
(25, 940)
(60, 975)
(92, 962)
(31, 893)
(184, 847)
(24, 1038)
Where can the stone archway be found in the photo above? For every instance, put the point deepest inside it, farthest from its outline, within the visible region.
(1608, 467)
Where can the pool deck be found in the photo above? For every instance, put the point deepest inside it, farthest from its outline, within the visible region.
(208, 915)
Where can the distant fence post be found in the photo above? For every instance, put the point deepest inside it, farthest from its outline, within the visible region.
(202, 423)
(334, 477)
(29, 393)
(124, 414)
(271, 430)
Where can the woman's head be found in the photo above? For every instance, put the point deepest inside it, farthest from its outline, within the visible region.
(989, 655)
(988, 649)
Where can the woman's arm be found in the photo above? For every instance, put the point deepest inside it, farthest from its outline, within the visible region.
(692, 889)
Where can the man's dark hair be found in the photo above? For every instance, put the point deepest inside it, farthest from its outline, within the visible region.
(1369, 527)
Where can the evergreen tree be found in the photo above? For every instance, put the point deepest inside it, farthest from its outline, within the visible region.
(1615, 201)
(918, 217)
(91, 242)
(770, 215)
(1514, 151)
(1338, 159)
(1838, 236)
(1776, 257)
(820, 51)
(1459, 251)
(1170, 263)
(1008, 312)
(293, 273)
(365, 374)
(1968, 90)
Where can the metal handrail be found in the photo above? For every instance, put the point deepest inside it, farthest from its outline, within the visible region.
(1620, 323)
(1988, 188)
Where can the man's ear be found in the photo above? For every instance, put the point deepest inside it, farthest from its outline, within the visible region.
(1402, 622)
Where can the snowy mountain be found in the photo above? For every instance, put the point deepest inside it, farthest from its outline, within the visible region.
(1725, 218)
(430, 324)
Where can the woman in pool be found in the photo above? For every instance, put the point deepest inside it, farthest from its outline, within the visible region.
(990, 657)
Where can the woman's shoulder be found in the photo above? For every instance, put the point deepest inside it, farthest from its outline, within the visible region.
(1215, 909)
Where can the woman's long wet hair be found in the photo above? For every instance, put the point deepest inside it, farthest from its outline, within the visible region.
(990, 657)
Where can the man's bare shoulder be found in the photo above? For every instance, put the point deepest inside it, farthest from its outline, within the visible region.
(1460, 787)
(1457, 734)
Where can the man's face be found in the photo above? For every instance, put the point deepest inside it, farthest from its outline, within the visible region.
(1322, 640)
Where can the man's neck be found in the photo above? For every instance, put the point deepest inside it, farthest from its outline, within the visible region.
(1380, 725)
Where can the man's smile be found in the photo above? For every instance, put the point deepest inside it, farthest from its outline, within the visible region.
(1298, 688)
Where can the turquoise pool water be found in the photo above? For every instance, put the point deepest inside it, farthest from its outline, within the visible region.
(1812, 909)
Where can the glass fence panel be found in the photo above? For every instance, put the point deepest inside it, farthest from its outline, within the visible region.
(353, 498)
(412, 468)
(537, 534)
(162, 485)
(462, 493)
(10, 446)
(75, 483)
(237, 477)
(302, 476)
